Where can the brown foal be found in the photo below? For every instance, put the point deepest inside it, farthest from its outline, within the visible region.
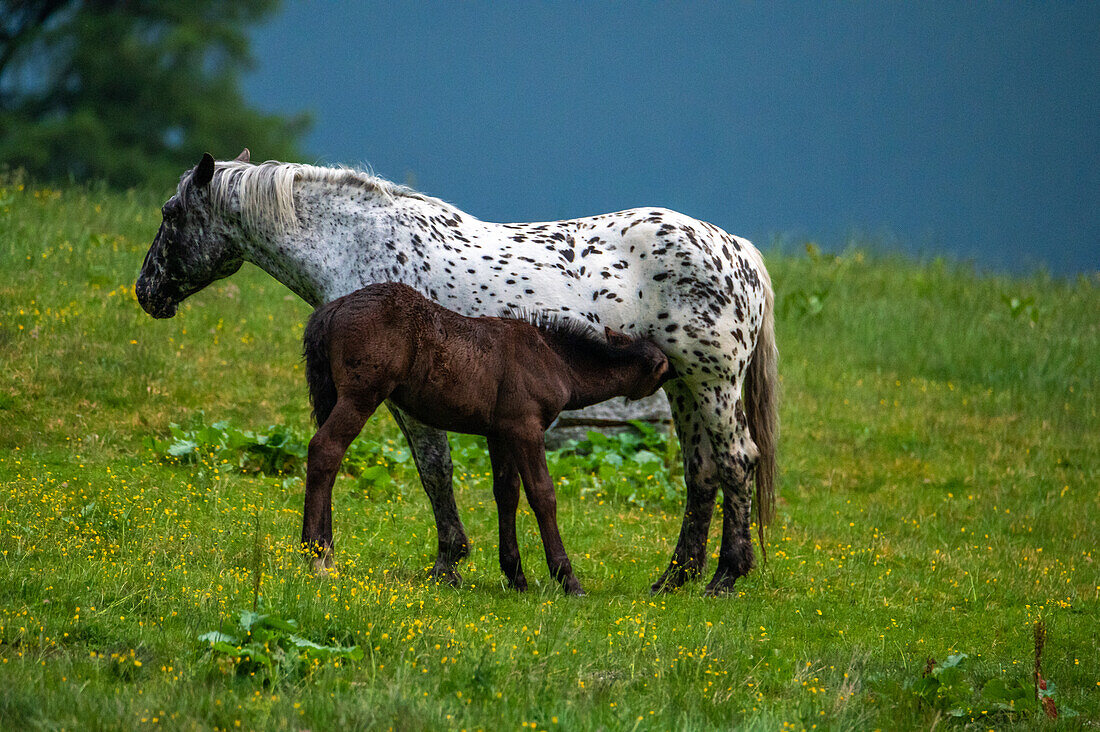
(504, 378)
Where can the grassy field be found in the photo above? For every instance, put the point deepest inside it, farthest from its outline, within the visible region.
(939, 470)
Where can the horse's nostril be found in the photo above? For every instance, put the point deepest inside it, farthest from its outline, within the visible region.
(162, 310)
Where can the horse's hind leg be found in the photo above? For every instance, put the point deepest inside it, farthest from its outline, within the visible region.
(326, 451)
(735, 455)
(506, 492)
(432, 454)
(701, 484)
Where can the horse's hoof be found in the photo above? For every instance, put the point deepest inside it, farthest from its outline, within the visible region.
(322, 566)
(731, 568)
(573, 587)
(519, 583)
(719, 588)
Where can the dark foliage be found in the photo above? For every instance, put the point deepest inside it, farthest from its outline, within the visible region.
(129, 92)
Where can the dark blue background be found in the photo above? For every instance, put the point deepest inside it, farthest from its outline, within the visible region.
(971, 129)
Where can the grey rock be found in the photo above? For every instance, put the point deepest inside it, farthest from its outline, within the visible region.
(611, 416)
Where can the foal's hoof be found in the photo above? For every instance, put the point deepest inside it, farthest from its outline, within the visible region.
(445, 575)
(672, 580)
(518, 583)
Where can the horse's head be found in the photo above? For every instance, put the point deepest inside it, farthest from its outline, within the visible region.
(194, 246)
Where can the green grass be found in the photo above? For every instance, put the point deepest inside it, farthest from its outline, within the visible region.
(939, 471)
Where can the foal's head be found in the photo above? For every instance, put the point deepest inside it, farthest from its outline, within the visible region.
(645, 364)
(604, 366)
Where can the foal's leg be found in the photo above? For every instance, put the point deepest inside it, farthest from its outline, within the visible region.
(506, 493)
(326, 451)
(701, 484)
(432, 454)
(530, 457)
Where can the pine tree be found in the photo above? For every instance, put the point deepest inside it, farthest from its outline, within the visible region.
(130, 91)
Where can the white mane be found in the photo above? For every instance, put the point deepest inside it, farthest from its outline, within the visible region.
(265, 192)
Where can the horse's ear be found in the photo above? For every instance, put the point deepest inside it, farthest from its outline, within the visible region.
(616, 338)
(204, 171)
(244, 156)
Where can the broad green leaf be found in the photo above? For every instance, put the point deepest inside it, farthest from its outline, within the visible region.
(954, 660)
(226, 648)
(217, 637)
(181, 447)
(248, 619)
(374, 475)
(274, 621)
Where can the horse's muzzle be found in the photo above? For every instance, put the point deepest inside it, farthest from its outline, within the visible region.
(153, 303)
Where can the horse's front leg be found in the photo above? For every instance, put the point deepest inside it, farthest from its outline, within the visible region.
(506, 493)
(530, 457)
(432, 454)
(326, 451)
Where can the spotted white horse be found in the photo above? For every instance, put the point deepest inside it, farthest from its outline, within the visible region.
(701, 294)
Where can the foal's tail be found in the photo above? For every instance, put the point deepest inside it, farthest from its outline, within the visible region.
(762, 409)
(315, 342)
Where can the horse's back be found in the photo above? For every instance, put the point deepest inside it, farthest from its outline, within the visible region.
(694, 289)
(686, 283)
(651, 247)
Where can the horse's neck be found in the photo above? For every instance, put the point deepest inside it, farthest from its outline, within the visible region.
(329, 252)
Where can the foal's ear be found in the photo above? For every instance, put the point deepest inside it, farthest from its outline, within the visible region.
(244, 156)
(617, 338)
(204, 171)
(661, 372)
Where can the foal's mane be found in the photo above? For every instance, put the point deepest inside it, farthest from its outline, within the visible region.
(265, 191)
(570, 334)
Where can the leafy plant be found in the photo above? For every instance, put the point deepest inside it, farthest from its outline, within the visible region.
(642, 458)
(802, 303)
(273, 452)
(278, 450)
(269, 647)
(949, 688)
(1007, 695)
(945, 686)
